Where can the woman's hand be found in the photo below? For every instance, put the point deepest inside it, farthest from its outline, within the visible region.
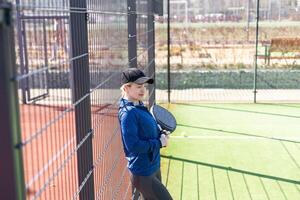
(164, 140)
(165, 132)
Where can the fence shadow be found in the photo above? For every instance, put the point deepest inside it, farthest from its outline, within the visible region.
(180, 172)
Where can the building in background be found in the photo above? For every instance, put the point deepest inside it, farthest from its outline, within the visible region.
(232, 10)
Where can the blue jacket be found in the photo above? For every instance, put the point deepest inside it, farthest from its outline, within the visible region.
(140, 136)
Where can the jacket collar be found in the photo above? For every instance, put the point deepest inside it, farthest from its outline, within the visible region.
(125, 102)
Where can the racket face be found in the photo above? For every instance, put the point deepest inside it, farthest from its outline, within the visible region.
(164, 118)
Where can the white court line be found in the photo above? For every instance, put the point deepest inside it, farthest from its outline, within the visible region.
(296, 138)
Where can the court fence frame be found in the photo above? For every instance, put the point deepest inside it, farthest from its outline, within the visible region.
(12, 182)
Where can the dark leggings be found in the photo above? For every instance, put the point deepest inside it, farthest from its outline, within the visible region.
(151, 187)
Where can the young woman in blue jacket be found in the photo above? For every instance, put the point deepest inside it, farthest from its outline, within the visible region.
(141, 137)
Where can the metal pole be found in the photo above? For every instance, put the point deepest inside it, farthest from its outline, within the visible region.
(132, 54)
(81, 87)
(186, 13)
(132, 39)
(20, 33)
(279, 10)
(248, 19)
(256, 51)
(45, 55)
(169, 54)
(12, 182)
(151, 51)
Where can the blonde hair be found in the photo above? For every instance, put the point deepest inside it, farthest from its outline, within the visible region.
(123, 88)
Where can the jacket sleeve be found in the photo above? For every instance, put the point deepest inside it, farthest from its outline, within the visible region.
(132, 142)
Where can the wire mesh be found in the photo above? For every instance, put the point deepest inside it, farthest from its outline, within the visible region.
(278, 63)
(47, 113)
(145, 44)
(108, 42)
(69, 57)
(213, 47)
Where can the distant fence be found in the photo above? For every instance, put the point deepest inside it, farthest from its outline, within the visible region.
(226, 46)
(60, 132)
(234, 79)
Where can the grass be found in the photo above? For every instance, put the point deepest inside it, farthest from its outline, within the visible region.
(234, 151)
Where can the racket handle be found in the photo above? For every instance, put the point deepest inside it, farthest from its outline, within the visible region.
(162, 131)
(159, 127)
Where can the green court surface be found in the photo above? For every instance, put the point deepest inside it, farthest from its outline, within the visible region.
(233, 151)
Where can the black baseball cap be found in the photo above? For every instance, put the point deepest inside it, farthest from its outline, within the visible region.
(134, 75)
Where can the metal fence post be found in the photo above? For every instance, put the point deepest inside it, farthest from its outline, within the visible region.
(256, 52)
(132, 39)
(151, 50)
(80, 88)
(11, 171)
(24, 85)
(169, 55)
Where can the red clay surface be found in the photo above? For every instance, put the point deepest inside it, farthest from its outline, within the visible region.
(50, 158)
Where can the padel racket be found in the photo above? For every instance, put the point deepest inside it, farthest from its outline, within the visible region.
(165, 120)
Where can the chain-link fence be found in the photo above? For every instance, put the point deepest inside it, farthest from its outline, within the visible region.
(213, 51)
(69, 57)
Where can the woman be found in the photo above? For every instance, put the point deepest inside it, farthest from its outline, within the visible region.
(141, 137)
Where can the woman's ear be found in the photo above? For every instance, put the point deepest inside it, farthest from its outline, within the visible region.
(126, 87)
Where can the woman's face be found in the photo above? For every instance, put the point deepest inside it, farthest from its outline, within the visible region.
(135, 92)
